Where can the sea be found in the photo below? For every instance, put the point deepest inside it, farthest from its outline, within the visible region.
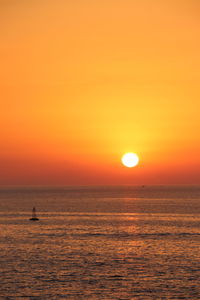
(100, 242)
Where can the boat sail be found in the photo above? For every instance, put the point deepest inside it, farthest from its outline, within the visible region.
(34, 216)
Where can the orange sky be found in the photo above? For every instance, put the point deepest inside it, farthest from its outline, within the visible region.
(82, 82)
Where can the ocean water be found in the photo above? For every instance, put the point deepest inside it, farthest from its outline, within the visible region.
(125, 242)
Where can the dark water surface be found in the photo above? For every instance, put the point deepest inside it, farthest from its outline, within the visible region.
(100, 243)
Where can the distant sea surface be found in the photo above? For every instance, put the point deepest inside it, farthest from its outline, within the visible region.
(105, 242)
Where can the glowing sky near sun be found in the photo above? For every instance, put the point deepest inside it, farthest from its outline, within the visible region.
(83, 82)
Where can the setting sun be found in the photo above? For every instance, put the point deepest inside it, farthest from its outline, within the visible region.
(130, 160)
(99, 134)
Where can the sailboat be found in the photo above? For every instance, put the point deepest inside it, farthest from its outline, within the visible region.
(34, 217)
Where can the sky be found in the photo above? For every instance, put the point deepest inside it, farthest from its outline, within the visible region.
(83, 82)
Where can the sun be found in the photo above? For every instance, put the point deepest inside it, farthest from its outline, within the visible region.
(130, 160)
